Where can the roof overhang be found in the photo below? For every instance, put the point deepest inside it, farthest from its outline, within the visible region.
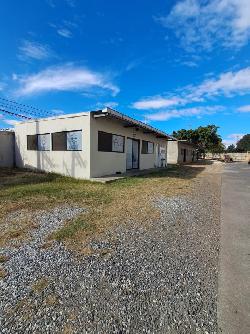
(129, 122)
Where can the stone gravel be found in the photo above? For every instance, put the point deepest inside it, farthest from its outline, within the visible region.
(160, 277)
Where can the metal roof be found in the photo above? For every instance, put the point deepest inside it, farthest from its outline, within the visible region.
(130, 122)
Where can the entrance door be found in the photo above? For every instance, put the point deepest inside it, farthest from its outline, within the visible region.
(184, 155)
(132, 153)
(160, 156)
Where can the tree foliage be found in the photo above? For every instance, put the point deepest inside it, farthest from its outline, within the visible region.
(243, 145)
(231, 149)
(206, 138)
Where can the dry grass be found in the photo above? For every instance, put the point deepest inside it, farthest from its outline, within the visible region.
(3, 258)
(40, 285)
(15, 231)
(3, 273)
(107, 204)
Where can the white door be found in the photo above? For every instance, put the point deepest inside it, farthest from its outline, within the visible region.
(160, 156)
(129, 160)
(132, 154)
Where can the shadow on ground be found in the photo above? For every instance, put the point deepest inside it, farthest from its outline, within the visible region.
(11, 177)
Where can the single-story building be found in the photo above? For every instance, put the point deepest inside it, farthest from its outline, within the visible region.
(7, 153)
(89, 144)
(181, 151)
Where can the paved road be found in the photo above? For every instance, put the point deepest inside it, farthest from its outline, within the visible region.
(234, 287)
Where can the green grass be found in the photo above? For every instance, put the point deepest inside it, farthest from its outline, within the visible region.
(105, 204)
(72, 228)
(54, 188)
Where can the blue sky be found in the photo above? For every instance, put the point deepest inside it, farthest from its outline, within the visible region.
(174, 64)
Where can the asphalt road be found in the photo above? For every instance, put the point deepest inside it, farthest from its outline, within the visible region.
(234, 276)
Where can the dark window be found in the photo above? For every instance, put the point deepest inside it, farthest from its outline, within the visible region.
(59, 141)
(67, 141)
(108, 142)
(32, 142)
(147, 147)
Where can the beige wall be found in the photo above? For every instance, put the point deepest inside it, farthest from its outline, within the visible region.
(72, 163)
(107, 163)
(6, 149)
(235, 156)
(89, 162)
(172, 152)
(175, 152)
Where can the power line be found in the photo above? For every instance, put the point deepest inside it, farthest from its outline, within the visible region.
(25, 106)
(14, 114)
(22, 110)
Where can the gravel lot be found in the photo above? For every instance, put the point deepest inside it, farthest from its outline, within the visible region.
(160, 277)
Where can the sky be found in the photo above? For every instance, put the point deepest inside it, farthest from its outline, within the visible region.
(173, 64)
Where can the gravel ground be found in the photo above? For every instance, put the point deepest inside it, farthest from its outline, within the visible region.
(160, 277)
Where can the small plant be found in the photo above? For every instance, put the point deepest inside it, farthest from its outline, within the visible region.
(71, 229)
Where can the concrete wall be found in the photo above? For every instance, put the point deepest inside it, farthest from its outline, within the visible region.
(172, 152)
(7, 148)
(107, 163)
(176, 154)
(234, 156)
(72, 163)
(86, 163)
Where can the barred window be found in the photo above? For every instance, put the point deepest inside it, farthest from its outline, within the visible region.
(147, 147)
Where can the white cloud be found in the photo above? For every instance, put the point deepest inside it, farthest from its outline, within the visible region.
(101, 105)
(57, 111)
(232, 139)
(229, 83)
(34, 50)
(66, 77)
(204, 24)
(244, 109)
(185, 112)
(237, 136)
(10, 121)
(111, 104)
(156, 102)
(2, 85)
(64, 33)
(226, 84)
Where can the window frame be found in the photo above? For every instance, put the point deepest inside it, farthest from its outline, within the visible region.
(42, 134)
(147, 142)
(81, 141)
(111, 134)
(66, 148)
(36, 142)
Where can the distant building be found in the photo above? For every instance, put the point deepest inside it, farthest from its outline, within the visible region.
(181, 151)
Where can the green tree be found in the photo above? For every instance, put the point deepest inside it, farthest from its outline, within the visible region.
(206, 138)
(243, 145)
(231, 149)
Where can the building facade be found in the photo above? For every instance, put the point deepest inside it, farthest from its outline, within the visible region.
(7, 153)
(88, 145)
(180, 151)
